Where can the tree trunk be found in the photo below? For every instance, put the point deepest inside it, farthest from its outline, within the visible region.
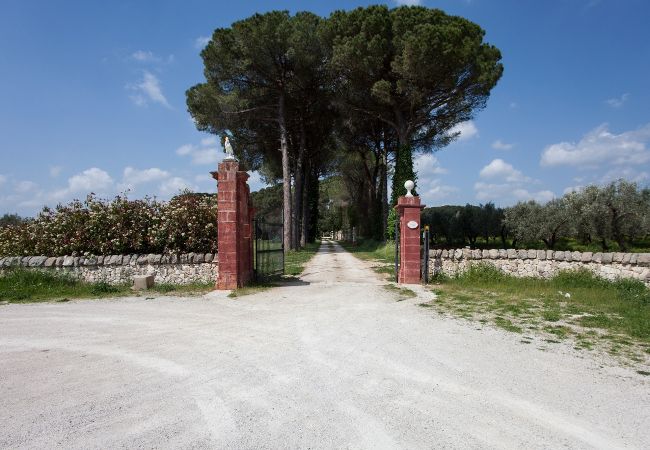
(304, 222)
(298, 188)
(384, 193)
(286, 175)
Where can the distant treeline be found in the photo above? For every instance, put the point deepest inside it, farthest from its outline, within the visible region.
(611, 216)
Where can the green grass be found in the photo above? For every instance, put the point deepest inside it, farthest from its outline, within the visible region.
(372, 250)
(252, 288)
(614, 316)
(22, 285)
(403, 293)
(295, 260)
(382, 253)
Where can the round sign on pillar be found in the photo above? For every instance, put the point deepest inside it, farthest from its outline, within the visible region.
(412, 224)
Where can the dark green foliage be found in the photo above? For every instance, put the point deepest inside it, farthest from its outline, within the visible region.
(11, 219)
(403, 172)
(454, 226)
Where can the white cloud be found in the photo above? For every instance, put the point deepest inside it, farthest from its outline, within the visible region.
(149, 57)
(90, 180)
(24, 187)
(408, 2)
(209, 152)
(3, 179)
(55, 171)
(506, 192)
(498, 168)
(148, 90)
(505, 184)
(467, 130)
(144, 56)
(134, 177)
(601, 147)
(617, 102)
(427, 164)
(627, 173)
(175, 185)
(201, 41)
(514, 105)
(500, 145)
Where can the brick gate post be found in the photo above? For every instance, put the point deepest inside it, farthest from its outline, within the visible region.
(234, 226)
(408, 208)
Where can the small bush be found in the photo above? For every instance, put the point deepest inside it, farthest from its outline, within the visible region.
(483, 272)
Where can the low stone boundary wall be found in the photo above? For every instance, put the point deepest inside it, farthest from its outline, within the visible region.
(115, 269)
(543, 263)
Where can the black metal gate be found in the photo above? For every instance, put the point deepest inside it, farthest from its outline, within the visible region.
(269, 249)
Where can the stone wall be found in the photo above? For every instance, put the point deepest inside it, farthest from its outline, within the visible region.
(115, 269)
(543, 263)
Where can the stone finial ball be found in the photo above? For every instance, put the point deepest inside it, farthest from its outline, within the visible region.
(409, 185)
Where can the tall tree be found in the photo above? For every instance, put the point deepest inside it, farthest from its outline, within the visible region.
(250, 71)
(418, 70)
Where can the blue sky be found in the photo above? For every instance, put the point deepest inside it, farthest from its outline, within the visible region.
(92, 98)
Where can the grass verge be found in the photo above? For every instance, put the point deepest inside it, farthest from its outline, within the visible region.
(295, 260)
(23, 286)
(575, 306)
(381, 254)
(403, 293)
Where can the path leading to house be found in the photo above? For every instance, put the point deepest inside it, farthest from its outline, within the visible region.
(331, 362)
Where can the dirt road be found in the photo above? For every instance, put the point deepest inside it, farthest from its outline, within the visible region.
(331, 362)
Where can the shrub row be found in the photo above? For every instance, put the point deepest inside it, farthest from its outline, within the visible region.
(186, 223)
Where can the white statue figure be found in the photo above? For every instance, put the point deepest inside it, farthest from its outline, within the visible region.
(230, 154)
(409, 185)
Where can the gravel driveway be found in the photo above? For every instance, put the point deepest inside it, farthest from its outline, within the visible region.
(331, 362)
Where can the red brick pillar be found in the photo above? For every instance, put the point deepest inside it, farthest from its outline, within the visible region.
(234, 224)
(409, 209)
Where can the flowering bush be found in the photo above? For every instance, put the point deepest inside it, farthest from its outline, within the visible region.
(187, 223)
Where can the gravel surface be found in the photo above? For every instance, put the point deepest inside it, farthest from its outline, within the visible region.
(333, 361)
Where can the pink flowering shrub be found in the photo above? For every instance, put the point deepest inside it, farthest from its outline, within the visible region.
(187, 223)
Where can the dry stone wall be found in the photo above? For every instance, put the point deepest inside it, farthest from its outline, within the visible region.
(543, 263)
(116, 269)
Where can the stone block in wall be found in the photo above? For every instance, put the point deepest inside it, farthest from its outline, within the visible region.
(645, 275)
(59, 261)
(141, 260)
(626, 258)
(199, 258)
(541, 255)
(522, 254)
(618, 257)
(467, 253)
(24, 261)
(49, 262)
(184, 258)
(493, 253)
(633, 258)
(155, 259)
(503, 253)
(585, 257)
(91, 261)
(458, 253)
(597, 258)
(445, 253)
(207, 257)
(68, 261)
(558, 256)
(37, 261)
(643, 259)
(512, 253)
(532, 254)
(607, 258)
(75, 261)
(100, 260)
